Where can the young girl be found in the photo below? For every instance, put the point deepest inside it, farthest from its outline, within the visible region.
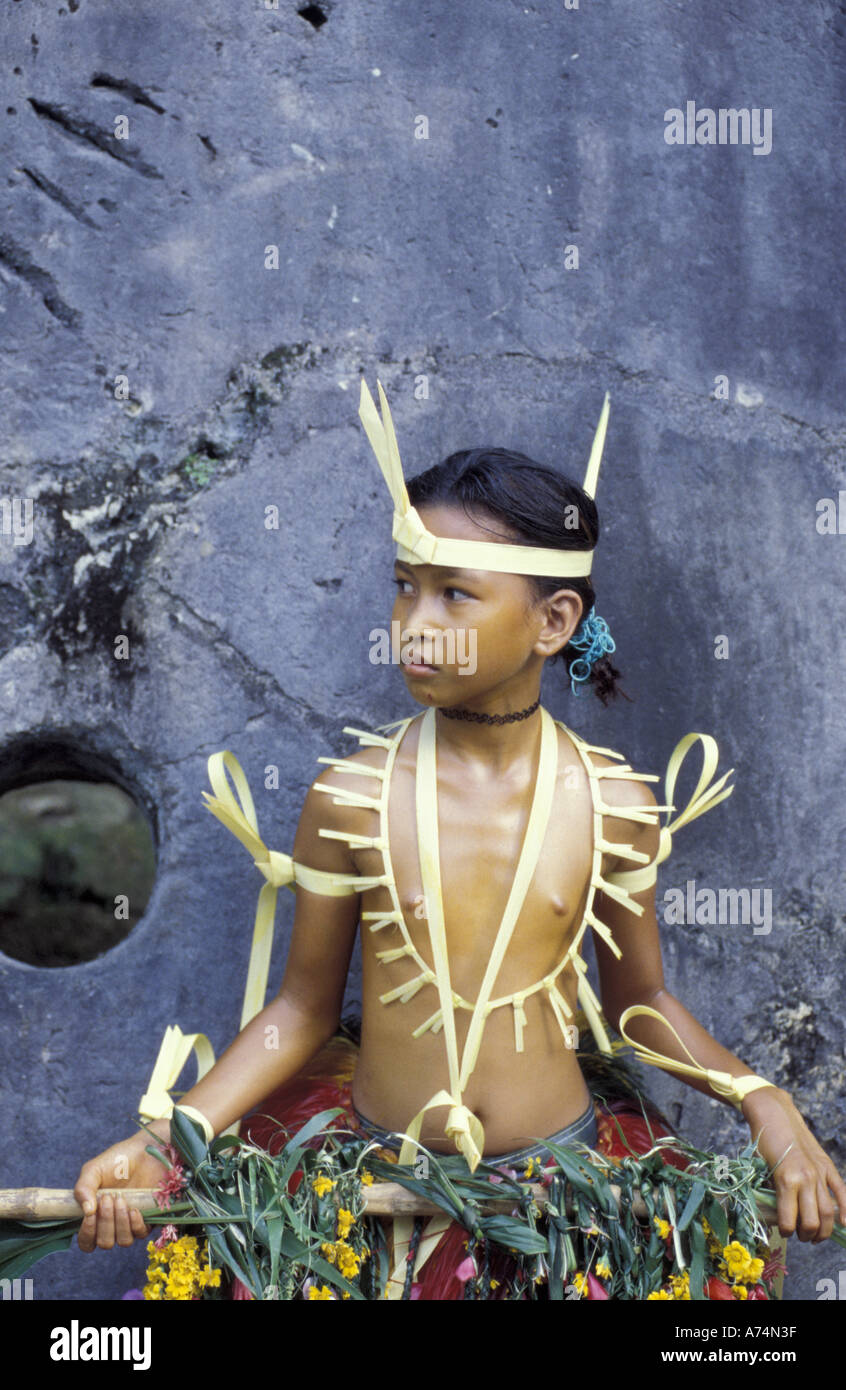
(475, 844)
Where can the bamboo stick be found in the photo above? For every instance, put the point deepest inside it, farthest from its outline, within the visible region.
(380, 1199)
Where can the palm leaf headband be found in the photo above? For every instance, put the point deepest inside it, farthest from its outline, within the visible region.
(417, 546)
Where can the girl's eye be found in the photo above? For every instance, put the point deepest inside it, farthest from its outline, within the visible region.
(399, 584)
(460, 592)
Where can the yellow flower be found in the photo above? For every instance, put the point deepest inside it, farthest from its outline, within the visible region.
(740, 1291)
(329, 1251)
(580, 1282)
(366, 1178)
(754, 1270)
(659, 1293)
(322, 1185)
(347, 1260)
(323, 1292)
(739, 1264)
(345, 1221)
(603, 1269)
(680, 1284)
(530, 1166)
(663, 1227)
(175, 1272)
(494, 1283)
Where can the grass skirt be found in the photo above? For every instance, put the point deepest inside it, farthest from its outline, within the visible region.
(628, 1124)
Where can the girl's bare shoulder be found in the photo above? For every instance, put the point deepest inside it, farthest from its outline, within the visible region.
(624, 792)
(341, 773)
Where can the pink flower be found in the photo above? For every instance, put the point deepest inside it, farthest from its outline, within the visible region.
(466, 1270)
(168, 1234)
(595, 1289)
(173, 1181)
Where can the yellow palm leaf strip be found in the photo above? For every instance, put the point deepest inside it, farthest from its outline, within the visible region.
(706, 794)
(238, 814)
(591, 1005)
(524, 873)
(434, 1021)
(733, 1088)
(356, 769)
(176, 1047)
(367, 738)
(517, 1001)
(428, 848)
(592, 471)
(462, 1125)
(560, 1007)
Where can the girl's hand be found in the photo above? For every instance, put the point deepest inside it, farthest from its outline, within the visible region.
(108, 1221)
(805, 1177)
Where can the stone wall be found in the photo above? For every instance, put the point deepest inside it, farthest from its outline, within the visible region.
(216, 219)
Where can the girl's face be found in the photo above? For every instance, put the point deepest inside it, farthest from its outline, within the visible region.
(469, 634)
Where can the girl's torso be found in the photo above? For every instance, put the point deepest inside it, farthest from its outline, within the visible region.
(519, 1096)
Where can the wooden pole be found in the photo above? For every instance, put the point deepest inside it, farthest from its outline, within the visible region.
(380, 1199)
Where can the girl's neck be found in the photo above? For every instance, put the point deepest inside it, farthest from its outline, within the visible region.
(496, 746)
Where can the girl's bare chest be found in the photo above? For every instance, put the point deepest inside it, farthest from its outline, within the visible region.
(481, 830)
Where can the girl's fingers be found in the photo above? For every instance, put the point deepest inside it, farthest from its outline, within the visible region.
(809, 1216)
(825, 1207)
(106, 1223)
(787, 1208)
(87, 1237)
(138, 1224)
(123, 1233)
(838, 1187)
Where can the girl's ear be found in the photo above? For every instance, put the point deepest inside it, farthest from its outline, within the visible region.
(562, 612)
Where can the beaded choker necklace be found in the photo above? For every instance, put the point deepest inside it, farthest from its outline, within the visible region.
(475, 718)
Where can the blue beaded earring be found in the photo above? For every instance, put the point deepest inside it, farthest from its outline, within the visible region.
(594, 640)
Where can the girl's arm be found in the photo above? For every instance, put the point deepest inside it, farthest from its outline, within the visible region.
(289, 1030)
(274, 1046)
(809, 1189)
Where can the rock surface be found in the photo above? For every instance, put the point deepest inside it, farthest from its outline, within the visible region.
(164, 385)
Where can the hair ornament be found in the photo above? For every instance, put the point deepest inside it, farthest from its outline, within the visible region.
(594, 640)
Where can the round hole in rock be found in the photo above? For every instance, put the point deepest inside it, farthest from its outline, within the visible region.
(77, 856)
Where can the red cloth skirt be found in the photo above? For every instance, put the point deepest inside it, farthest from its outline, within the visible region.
(326, 1082)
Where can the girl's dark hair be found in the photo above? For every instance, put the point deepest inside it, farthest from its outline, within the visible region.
(531, 501)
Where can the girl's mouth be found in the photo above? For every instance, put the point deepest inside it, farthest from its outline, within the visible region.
(418, 668)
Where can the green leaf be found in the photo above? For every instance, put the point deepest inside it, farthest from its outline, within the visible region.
(691, 1206)
(188, 1138)
(507, 1231)
(718, 1221)
(697, 1262)
(274, 1244)
(583, 1176)
(23, 1244)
